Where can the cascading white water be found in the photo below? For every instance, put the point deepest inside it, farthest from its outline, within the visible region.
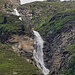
(38, 53)
(16, 13)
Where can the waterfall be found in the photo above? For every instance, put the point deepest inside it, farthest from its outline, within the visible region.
(16, 13)
(38, 53)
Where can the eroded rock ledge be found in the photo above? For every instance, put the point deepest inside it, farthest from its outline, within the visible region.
(23, 45)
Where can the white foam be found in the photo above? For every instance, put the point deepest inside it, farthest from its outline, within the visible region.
(38, 53)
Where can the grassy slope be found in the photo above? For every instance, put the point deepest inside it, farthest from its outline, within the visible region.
(70, 70)
(10, 63)
(57, 22)
(10, 24)
(43, 11)
(53, 8)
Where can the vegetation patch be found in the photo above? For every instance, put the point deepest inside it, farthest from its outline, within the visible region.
(70, 69)
(11, 64)
(57, 22)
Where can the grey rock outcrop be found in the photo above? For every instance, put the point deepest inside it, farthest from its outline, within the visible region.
(55, 55)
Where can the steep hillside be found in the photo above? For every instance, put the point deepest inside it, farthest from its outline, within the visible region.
(55, 22)
(10, 24)
(59, 36)
(14, 47)
(16, 43)
(11, 64)
(37, 13)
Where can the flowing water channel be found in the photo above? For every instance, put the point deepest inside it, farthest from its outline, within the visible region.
(38, 53)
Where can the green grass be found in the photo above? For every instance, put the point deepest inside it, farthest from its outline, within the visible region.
(7, 28)
(10, 63)
(10, 24)
(57, 22)
(70, 69)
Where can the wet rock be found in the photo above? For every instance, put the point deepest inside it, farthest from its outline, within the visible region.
(55, 56)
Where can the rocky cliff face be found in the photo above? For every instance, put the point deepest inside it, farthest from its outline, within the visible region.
(22, 45)
(59, 35)
(56, 58)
